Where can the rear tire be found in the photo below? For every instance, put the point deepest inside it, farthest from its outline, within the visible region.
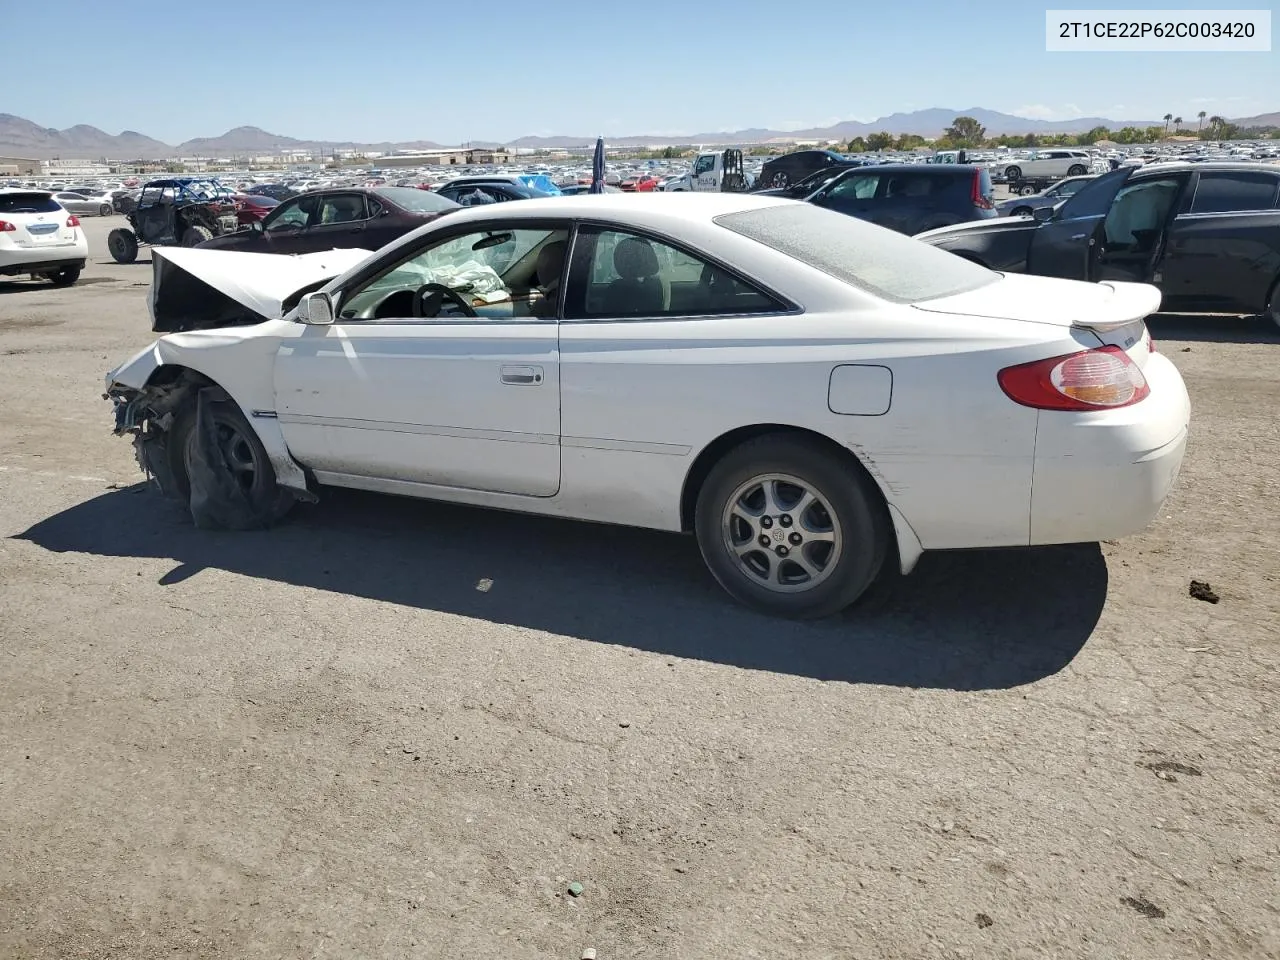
(196, 235)
(1013, 174)
(123, 245)
(1020, 212)
(64, 277)
(790, 528)
(781, 180)
(105, 210)
(1077, 170)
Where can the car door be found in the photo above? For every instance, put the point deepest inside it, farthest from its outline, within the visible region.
(340, 222)
(284, 228)
(1135, 229)
(1062, 246)
(1223, 251)
(408, 387)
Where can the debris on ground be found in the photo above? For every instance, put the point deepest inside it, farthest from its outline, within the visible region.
(1144, 907)
(1202, 591)
(589, 953)
(983, 920)
(575, 889)
(1165, 769)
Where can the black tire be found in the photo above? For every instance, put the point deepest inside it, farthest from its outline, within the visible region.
(123, 245)
(1077, 170)
(1273, 304)
(1013, 174)
(196, 234)
(64, 277)
(105, 210)
(264, 501)
(780, 180)
(1020, 212)
(845, 499)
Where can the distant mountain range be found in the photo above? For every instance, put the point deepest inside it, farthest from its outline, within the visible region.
(22, 138)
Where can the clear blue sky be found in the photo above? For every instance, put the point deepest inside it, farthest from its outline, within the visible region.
(498, 69)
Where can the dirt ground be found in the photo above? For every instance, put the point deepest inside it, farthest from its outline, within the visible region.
(328, 740)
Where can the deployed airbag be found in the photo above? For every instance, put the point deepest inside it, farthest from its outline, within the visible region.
(194, 289)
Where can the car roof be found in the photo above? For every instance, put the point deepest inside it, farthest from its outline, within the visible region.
(667, 209)
(929, 169)
(48, 193)
(1230, 166)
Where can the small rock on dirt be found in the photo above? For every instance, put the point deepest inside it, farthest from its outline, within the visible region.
(1144, 907)
(983, 921)
(1202, 591)
(575, 889)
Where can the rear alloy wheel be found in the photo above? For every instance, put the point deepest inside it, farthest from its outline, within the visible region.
(195, 235)
(1077, 170)
(64, 277)
(787, 528)
(780, 180)
(104, 210)
(1013, 173)
(1020, 212)
(122, 245)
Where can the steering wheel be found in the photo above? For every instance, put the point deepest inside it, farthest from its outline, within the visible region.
(430, 297)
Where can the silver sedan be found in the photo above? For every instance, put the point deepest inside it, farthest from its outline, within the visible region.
(99, 205)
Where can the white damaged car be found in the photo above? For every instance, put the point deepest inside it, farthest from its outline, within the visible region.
(812, 396)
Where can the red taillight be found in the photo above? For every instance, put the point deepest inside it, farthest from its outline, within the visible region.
(980, 199)
(1099, 379)
(7, 227)
(73, 221)
(1151, 344)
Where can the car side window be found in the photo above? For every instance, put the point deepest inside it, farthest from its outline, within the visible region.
(1094, 198)
(496, 272)
(1233, 191)
(704, 165)
(290, 215)
(342, 208)
(860, 187)
(618, 275)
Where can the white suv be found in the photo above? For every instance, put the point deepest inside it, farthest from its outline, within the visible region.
(39, 237)
(1048, 164)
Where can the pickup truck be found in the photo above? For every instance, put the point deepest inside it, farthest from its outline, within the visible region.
(712, 173)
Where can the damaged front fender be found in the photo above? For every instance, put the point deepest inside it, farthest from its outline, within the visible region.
(150, 389)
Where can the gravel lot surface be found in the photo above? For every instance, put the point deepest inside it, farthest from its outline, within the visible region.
(329, 740)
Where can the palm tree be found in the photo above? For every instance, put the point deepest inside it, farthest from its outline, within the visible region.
(1167, 118)
(1200, 125)
(1215, 122)
(1177, 124)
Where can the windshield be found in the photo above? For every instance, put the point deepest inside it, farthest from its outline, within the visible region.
(888, 264)
(415, 200)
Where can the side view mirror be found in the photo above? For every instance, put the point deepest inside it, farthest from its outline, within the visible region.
(316, 309)
(1042, 214)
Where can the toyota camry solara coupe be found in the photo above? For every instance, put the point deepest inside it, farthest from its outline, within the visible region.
(812, 396)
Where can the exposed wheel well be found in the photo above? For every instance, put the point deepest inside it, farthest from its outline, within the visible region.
(718, 447)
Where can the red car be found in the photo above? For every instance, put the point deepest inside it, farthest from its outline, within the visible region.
(251, 208)
(641, 184)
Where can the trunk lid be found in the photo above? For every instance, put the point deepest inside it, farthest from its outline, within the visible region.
(1114, 311)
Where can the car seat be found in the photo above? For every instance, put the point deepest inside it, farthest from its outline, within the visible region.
(546, 275)
(638, 291)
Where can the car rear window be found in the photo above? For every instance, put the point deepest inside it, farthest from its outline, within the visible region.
(28, 203)
(419, 201)
(888, 264)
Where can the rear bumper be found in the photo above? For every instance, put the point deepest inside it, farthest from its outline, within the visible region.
(1103, 475)
(75, 257)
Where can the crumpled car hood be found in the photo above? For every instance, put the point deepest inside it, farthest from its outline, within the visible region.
(194, 289)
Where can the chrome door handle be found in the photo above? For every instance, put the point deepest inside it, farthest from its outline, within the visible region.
(522, 376)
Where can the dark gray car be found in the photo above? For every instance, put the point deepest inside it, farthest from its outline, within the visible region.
(1026, 206)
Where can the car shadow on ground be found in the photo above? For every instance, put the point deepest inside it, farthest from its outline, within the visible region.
(1209, 328)
(963, 621)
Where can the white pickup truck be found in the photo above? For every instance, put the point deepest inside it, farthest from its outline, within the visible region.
(1045, 164)
(712, 173)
